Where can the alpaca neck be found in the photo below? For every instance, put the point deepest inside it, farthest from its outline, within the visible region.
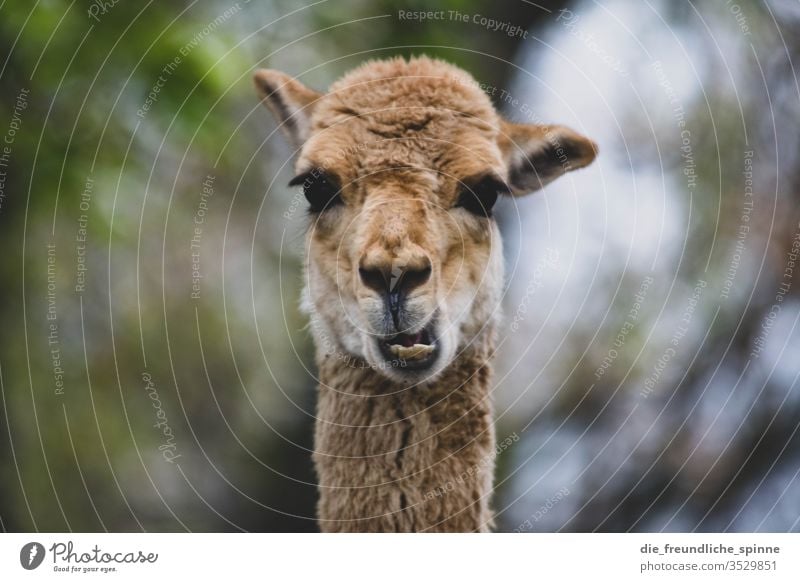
(394, 457)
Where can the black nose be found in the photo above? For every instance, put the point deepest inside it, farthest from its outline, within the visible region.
(394, 283)
(396, 279)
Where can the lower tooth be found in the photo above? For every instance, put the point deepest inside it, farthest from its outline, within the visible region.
(415, 352)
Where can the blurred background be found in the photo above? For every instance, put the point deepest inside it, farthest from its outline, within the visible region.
(155, 371)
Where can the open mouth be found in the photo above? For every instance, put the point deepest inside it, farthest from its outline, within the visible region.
(413, 349)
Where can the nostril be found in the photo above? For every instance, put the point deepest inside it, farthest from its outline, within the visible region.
(416, 278)
(373, 278)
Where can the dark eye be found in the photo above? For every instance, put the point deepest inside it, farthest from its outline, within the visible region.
(478, 196)
(320, 189)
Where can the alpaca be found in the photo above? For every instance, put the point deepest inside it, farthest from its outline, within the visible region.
(401, 162)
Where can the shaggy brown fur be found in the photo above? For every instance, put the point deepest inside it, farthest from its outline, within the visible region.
(404, 459)
(407, 448)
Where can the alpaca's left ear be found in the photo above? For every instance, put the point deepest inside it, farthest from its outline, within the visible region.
(538, 154)
(290, 101)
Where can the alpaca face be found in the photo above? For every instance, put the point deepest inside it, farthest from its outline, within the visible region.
(400, 272)
(401, 163)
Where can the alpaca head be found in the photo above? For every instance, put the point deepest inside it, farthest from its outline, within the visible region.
(401, 163)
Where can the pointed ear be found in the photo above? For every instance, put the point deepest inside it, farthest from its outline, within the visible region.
(538, 154)
(290, 101)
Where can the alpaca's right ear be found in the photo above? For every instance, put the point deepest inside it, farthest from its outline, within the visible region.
(290, 101)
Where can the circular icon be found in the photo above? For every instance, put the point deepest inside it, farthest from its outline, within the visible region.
(31, 555)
